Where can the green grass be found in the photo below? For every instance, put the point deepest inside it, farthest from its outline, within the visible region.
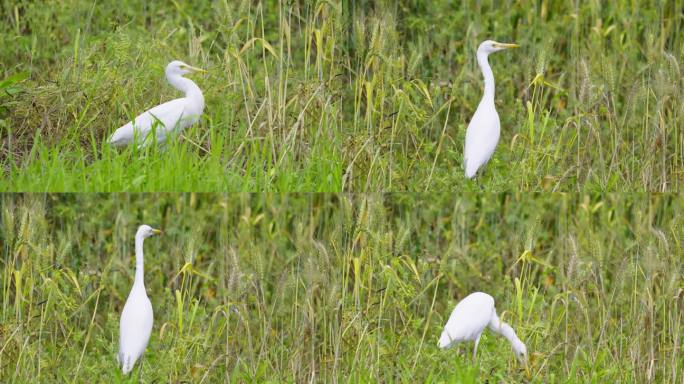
(272, 118)
(592, 101)
(344, 288)
(354, 95)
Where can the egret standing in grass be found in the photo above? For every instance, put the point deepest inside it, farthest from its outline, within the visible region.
(136, 319)
(172, 116)
(469, 319)
(483, 131)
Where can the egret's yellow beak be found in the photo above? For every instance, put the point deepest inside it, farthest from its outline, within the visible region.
(195, 69)
(505, 45)
(156, 231)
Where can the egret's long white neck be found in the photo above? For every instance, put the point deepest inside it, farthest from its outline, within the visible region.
(505, 330)
(487, 74)
(508, 332)
(139, 268)
(187, 86)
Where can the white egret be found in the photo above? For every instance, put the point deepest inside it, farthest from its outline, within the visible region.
(483, 131)
(136, 319)
(469, 319)
(172, 116)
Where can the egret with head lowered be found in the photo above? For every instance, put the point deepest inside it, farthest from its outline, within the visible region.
(484, 128)
(469, 319)
(170, 117)
(136, 319)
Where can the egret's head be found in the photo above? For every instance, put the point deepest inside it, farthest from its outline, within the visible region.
(146, 231)
(491, 46)
(444, 340)
(520, 351)
(178, 67)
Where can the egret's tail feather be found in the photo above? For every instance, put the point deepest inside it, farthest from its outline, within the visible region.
(444, 340)
(116, 139)
(127, 365)
(470, 169)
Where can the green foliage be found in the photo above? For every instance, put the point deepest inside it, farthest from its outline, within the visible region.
(233, 282)
(354, 95)
(591, 101)
(293, 288)
(272, 120)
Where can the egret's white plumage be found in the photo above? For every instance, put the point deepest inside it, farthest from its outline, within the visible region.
(136, 319)
(469, 319)
(483, 131)
(172, 116)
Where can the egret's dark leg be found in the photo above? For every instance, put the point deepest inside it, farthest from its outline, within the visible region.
(477, 177)
(140, 369)
(483, 169)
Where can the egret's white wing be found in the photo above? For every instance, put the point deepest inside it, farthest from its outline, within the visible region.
(135, 328)
(468, 319)
(165, 117)
(481, 137)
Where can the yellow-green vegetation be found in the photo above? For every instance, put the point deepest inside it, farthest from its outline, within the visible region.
(343, 288)
(592, 101)
(75, 70)
(241, 286)
(355, 95)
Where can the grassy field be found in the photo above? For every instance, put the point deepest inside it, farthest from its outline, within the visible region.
(354, 95)
(75, 70)
(592, 101)
(362, 97)
(344, 288)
